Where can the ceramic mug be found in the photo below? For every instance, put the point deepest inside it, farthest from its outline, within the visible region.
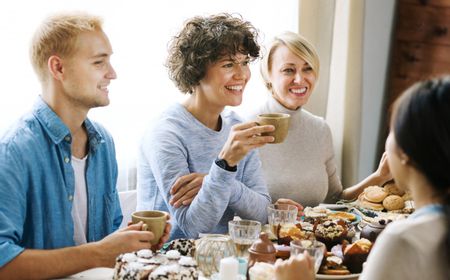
(281, 123)
(154, 221)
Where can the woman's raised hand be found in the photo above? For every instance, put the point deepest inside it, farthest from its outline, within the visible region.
(243, 138)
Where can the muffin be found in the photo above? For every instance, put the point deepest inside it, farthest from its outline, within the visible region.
(356, 254)
(331, 233)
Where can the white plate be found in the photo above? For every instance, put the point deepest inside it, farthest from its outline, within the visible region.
(336, 207)
(101, 273)
(336, 277)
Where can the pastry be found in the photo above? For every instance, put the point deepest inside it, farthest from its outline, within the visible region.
(356, 254)
(331, 233)
(407, 196)
(333, 265)
(315, 212)
(364, 203)
(342, 215)
(292, 232)
(186, 247)
(392, 188)
(393, 202)
(374, 194)
(145, 264)
(283, 251)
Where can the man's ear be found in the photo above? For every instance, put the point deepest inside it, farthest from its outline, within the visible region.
(55, 67)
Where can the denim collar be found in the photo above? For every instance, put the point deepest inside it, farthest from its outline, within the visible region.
(57, 130)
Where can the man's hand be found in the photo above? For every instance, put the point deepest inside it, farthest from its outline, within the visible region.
(186, 189)
(243, 138)
(126, 240)
(129, 239)
(291, 202)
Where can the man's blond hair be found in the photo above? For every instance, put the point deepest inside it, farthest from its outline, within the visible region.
(57, 36)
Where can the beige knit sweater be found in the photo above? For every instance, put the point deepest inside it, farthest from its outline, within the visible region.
(303, 167)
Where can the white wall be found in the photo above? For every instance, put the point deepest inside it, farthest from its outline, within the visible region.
(376, 46)
(353, 40)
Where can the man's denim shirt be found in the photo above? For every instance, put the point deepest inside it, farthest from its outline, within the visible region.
(37, 184)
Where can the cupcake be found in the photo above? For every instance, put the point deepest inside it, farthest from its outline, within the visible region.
(356, 254)
(331, 233)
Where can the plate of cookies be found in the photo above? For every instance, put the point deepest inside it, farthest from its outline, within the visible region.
(387, 198)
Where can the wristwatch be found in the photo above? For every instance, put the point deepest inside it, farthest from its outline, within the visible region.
(224, 165)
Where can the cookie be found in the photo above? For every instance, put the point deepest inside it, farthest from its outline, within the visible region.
(393, 202)
(364, 203)
(392, 188)
(407, 196)
(374, 194)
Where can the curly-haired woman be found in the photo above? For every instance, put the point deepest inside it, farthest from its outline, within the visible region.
(198, 150)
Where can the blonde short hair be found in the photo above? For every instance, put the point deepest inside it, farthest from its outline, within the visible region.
(295, 43)
(57, 36)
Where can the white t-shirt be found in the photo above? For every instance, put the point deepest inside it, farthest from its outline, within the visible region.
(79, 207)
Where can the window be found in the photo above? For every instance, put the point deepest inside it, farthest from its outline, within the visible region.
(139, 32)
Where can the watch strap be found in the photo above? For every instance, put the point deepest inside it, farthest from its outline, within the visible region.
(224, 165)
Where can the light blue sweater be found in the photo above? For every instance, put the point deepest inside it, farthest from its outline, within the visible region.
(178, 144)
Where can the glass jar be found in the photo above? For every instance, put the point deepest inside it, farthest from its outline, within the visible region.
(210, 249)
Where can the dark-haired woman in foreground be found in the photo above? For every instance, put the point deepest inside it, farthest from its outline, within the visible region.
(418, 153)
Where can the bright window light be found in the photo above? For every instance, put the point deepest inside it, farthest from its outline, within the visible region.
(139, 32)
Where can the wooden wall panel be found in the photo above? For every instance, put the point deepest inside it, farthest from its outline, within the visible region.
(419, 23)
(420, 50)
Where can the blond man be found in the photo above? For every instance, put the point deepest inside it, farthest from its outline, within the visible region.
(59, 208)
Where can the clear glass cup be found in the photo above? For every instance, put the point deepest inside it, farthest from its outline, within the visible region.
(281, 215)
(210, 249)
(244, 233)
(315, 249)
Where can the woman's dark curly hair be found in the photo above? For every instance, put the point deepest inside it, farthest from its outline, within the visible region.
(203, 41)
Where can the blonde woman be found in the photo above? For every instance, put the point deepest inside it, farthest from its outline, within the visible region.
(301, 170)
